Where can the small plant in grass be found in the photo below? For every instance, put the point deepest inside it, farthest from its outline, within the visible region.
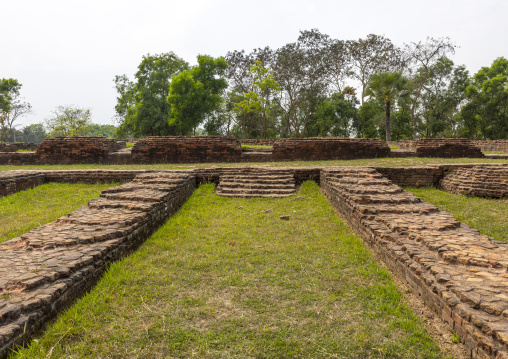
(456, 339)
(129, 144)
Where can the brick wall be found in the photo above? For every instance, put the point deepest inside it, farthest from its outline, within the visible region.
(328, 148)
(14, 146)
(79, 247)
(180, 149)
(456, 271)
(492, 146)
(257, 141)
(446, 148)
(68, 150)
(477, 181)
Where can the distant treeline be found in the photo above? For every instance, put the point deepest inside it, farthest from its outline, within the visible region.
(318, 86)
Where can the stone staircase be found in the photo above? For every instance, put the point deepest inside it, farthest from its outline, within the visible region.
(256, 182)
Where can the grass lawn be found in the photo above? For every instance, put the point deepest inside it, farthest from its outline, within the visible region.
(379, 162)
(22, 211)
(227, 278)
(489, 216)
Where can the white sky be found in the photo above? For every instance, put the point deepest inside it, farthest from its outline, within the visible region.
(68, 52)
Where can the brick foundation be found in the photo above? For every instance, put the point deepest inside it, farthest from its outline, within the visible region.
(458, 273)
(67, 150)
(328, 148)
(45, 270)
(176, 149)
(477, 181)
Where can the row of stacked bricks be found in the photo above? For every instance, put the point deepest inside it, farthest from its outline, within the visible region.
(44, 270)
(15, 146)
(256, 182)
(65, 150)
(446, 148)
(489, 181)
(328, 148)
(459, 273)
(181, 149)
(15, 181)
(492, 145)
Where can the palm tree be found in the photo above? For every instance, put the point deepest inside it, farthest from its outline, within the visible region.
(388, 87)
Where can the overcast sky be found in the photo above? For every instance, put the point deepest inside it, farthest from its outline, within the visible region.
(68, 52)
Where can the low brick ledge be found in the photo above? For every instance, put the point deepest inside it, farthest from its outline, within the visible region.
(459, 273)
(46, 269)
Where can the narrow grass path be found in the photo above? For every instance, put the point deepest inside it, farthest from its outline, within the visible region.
(489, 216)
(227, 278)
(375, 162)
(22, 211)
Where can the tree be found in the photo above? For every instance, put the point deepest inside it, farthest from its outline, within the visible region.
(141, 107)
(373, 55)
(12, 106)
(196, 93)
(34, 133)
(69, 120)
(486, 113)
(424, 56)
(100, 130)
(388, 87)
(260, 100)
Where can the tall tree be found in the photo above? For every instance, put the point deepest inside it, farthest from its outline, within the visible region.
(196, 93)
(424, 58)
(372, 55)
(142, 107)
(486, 113)
(12, 106)
(388, 87)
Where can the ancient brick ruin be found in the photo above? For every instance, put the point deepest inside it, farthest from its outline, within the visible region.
(180, 149)
(328, 148)
(15, 146)
(256, 182)
(66, 150)
(477, 181)
(46, 269)
(459, 273)
(203, 149)
(492, 145)
(440, 147)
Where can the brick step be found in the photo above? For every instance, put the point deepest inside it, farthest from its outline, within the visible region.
(248, 195)
(257, 180)
(230, 190)
(256, 185)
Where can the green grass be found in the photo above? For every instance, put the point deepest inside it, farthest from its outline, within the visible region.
(226, 278)
(129, 144)
(28, 209)
(380, 162)
(256, 146)
(486, 215)
(25, 151)
(494, 153)
(393, 147)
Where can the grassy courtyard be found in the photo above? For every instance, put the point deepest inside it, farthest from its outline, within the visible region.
(28, 209)
(227, 278)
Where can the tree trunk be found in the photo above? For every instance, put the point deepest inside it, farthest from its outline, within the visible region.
(388, 121)
(244, 125)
